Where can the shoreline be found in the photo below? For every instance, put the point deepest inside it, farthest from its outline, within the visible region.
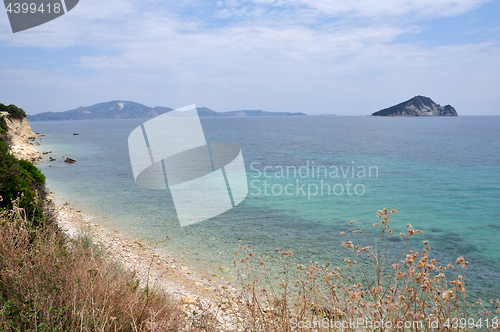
(155, 267)
(169, 271)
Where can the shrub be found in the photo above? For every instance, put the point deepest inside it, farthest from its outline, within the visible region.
(410, 292)
(13, 110)
(21, 180)
(47, 284)
(3, 125)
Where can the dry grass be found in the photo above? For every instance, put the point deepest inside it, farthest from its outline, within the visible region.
(374, 291)
(49, 284)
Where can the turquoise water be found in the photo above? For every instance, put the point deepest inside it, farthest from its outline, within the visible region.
(441, 174)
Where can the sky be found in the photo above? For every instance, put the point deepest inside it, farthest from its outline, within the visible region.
(344, 57)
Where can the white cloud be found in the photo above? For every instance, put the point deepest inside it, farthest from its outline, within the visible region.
(362, 8)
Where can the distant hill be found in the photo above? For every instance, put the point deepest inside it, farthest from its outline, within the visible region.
(111, 110)
(417, 106)
(118, 109)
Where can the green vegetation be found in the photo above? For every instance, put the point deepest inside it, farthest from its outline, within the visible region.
(3, 126)
(21, 180)
(13, 110)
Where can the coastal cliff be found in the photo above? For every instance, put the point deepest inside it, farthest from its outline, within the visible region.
(418, 106)
(15, 130)
(19, 127)
(19, 134)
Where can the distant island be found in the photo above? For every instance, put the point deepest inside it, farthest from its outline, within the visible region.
(118, 109)
(418, 106)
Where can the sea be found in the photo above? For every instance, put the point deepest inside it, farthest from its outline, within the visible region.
(308, 178)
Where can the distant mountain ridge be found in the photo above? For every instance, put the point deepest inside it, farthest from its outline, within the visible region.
(418, 106)
(118, 109)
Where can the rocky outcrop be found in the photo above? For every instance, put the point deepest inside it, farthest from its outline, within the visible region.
(417, 106)
(19, 127)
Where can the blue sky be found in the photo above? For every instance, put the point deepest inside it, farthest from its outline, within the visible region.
(312, 56)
